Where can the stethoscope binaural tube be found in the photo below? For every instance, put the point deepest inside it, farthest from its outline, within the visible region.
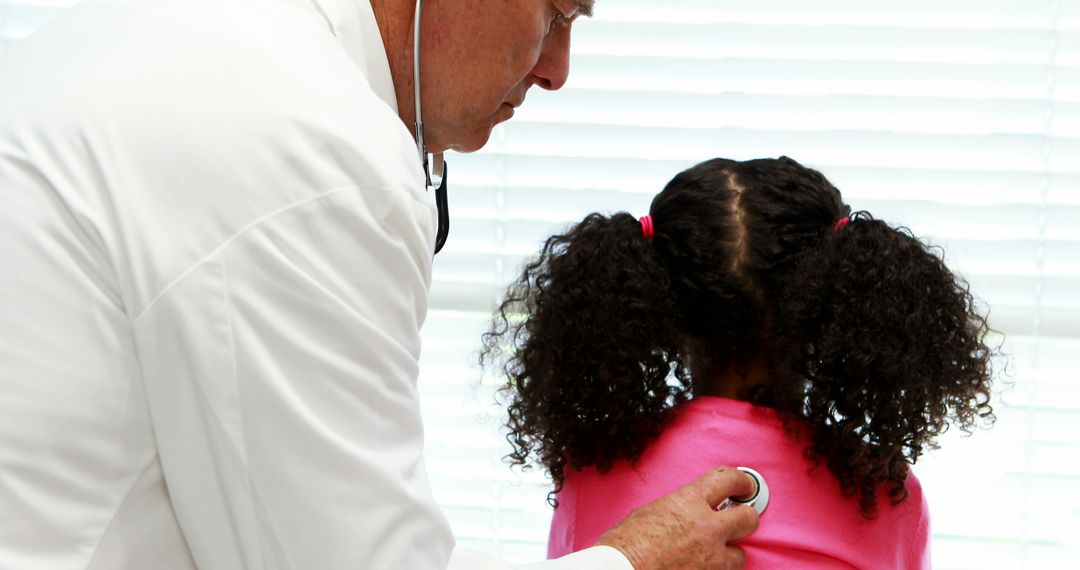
(436, 180)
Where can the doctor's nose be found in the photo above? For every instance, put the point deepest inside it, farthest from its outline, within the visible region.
(553, 67)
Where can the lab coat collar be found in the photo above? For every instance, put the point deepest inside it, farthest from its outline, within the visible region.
(353, 22)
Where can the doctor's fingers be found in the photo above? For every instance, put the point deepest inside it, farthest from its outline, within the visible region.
(736, 523)
(716, 485)
(734, 559)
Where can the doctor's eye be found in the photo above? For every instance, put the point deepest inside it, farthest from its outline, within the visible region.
(561, 18)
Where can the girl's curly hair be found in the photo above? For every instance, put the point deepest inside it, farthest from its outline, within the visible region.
(874, 346)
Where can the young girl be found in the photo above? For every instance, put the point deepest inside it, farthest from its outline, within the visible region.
(750, 320)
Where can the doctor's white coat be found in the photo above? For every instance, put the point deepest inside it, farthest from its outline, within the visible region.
(215, 250)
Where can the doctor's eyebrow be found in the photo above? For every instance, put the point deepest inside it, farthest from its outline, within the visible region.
(584, 7)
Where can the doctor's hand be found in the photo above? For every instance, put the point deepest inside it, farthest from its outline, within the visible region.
(684, 529)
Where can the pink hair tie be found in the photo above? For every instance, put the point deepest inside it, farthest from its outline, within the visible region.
(646, 227)
(841, 223)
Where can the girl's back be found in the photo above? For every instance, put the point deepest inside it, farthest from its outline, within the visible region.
(809, 523)
(753, 281)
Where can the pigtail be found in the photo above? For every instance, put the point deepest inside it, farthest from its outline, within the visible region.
(883, 348)
(587, 338)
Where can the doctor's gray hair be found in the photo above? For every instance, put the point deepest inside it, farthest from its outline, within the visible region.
(585, 7)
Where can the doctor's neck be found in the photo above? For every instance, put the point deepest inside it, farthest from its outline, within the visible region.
(395, 21)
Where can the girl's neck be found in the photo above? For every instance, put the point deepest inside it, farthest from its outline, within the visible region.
(733, 382)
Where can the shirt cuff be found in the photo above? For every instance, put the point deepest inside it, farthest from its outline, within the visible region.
(595, 558)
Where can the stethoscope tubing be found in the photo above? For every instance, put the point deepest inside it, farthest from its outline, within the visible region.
(438, 181)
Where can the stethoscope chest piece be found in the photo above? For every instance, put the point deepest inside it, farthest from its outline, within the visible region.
(758, 500)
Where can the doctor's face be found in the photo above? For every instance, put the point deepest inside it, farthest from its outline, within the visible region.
(480, 59)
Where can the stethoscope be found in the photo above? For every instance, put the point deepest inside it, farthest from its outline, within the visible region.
(436, 180)
(757, 500)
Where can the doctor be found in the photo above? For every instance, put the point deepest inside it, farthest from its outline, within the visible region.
(215, 250)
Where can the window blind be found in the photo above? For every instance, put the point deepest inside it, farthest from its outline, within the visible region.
(959, 119)
(18, 18)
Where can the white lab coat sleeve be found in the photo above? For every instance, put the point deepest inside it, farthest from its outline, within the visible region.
(280, 373)
(595, 558)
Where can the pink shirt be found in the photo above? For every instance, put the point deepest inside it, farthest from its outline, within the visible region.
(809, 524)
